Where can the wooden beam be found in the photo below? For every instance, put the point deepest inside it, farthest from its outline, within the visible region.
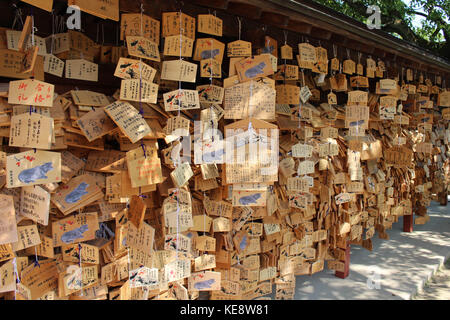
(300, 27)
(245, 10)
(379, 53)
(321, 33)
(216, 4)
(274, 19)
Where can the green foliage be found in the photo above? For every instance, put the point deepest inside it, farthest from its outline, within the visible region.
(397, 18)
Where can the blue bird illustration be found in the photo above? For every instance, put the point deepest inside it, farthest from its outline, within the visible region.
(204, 284)
(72, 235)
(253, 72)
(33, 174)
(250, 199)
(77, 193)
(209, 54)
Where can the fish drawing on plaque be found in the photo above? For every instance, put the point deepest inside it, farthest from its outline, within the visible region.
(173, 100)
(138, 279)
(209, 54)
(77, 193)
(204, 284)
(75, 234)
(142, 50)
(36, 173)
(250, 199)
(254, 71)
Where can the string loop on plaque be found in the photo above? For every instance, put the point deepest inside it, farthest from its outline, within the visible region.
(239, 26)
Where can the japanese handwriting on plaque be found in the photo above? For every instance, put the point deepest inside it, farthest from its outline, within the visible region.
(171, 24)
(250, 99)
(239, 48)
(129, 90)
(300, 150)
(32, 131)
(172, 46)
(144, 170)
(29, 60)
(89, 98)
(28, 236)
(388, 107)
(141, 238)
(130, 25)
(287, 94)
(179, 70)
(305, 167)
(35, 204)
(143, 48)
(81, 69)
(30, 168)
(307, 57)
(134, 69)
(31, 92)
(100, 8)
(53, 65)
(130, 122)
(181, 174)
(177, 270)
(207, 23)
(181, 100)
(8, 224)
(95, 124)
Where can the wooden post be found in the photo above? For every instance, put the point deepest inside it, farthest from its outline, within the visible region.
(408, 222)
(346, 272)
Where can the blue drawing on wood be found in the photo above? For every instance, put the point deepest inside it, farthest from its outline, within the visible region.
(249, 199)
(204, 284)
(77, 193)
(209, 54)
(33, 174)
(243, 243)
(72, 235)
(253, 72)
(356, 123)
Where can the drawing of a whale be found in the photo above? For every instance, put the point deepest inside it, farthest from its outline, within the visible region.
(204, 284)
(250, 199)
(253, 72)
(33, 174)
(77, 193)
(356, 123)
(72, 235)
(209, 54)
